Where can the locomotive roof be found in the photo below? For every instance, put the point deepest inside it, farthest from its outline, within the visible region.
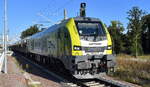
(86, 19)
(55, 26)
(50, 29)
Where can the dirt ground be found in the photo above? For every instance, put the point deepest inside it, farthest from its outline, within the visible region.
(16, 78)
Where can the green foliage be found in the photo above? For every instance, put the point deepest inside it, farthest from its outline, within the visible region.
(146, 33)
(135, 30)
(30, 31)
(137, 39)
(116, 30)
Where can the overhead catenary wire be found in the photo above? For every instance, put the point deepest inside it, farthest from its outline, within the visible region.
(54, 12)
(50, 6)
(40, 14)
(61, 8)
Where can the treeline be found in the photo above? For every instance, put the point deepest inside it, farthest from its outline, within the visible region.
(136, 41)
(30, 31)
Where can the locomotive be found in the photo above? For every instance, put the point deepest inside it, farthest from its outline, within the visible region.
(81, 44)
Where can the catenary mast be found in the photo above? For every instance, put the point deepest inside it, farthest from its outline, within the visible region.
(5, 36)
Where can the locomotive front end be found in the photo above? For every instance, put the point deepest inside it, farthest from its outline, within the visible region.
(91, 48)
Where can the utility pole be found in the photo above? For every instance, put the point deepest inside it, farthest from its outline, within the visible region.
(65, 14)
(5, 36)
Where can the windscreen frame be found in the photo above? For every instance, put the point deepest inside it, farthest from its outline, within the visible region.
(98, 22)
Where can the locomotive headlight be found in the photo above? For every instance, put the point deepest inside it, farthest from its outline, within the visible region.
(77, 47)
(109, 47)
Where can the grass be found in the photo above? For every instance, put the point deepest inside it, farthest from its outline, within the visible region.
(18, 65)
(129, 56)
(137, 72)
(145, 57)
(34, 85)
(22, 70)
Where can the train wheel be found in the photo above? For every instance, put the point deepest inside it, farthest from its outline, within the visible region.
(44, 61)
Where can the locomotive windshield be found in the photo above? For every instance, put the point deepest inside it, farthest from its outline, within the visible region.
(90, 29)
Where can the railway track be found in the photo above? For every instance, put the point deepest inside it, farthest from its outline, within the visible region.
(72, 82)
(85, 84)
(97, 83)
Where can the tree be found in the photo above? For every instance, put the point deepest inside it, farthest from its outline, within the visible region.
(146, 33)
(135, 30)
(30, 31)
(116, 30)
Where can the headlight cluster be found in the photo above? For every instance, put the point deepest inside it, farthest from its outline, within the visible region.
(109, 47)
(77, 47)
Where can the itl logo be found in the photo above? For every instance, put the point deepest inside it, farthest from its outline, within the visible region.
(94, 43)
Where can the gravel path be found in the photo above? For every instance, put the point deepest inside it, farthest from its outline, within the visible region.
(16, 78)
(12, 67)
(38, 75)
(12, 80)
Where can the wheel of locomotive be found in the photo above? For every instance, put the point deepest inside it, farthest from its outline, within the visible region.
(56, 64)
(43, 60)
(62, 69)
(51, 63)
(30, 56)
(37, 59)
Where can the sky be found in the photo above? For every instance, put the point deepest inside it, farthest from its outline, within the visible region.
(24, 13)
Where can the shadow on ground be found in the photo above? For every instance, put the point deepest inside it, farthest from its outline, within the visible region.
(32, 69)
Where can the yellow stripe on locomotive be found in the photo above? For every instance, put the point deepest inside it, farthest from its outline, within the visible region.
(75, 39)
